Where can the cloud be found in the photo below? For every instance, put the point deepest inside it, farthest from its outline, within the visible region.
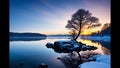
(56, 16)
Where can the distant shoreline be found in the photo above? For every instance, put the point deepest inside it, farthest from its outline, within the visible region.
(26, 36)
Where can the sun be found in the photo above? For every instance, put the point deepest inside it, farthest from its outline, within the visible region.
(86, 32)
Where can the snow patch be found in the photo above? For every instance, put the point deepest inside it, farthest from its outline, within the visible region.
(102, 61)
(94, 65)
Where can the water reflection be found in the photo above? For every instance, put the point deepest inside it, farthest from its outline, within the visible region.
(100, 48)
(32, 53)
(72, 60)
(105, 44)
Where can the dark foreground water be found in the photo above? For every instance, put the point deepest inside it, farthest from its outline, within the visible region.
(29, 54)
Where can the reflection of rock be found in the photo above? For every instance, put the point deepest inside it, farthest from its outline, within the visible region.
(84, 48)
(87, 54)
(72, 60)
(69, 47)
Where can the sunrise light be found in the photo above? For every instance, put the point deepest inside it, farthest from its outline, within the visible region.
(86, 32)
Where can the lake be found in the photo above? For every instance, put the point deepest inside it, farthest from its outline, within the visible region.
(29, 54)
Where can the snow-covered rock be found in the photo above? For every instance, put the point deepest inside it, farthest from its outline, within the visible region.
(66, 45)
(62, 42)
(83, 48)
(76, 46)
(103, 58)
(101, 61)
(69, 46)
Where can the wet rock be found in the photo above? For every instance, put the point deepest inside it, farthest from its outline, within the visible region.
(49, 45)
(58, 57)
(21, 64)
(43, 65)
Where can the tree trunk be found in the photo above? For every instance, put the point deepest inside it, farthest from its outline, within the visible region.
(79, 32)
(77, 35)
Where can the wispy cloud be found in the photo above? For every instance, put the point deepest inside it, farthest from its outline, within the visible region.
(49, 15)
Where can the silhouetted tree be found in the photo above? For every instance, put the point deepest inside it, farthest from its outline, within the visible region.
(94, 25)
(79, 19)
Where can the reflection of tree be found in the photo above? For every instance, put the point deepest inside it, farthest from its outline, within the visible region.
(72, 60)
(69, 47)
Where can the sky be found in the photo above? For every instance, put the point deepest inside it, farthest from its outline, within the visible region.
(51, 16)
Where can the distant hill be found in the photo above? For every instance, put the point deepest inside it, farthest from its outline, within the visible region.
(104, 32)
(13, 34)
(26, 36)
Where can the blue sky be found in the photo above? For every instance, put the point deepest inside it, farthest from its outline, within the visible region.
(51, 16)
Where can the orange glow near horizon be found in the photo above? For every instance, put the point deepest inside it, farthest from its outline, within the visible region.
(96, 44)
(63, 30)
(85, 32)
(90, 31)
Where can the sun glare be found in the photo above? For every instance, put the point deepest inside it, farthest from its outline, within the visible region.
(86, 32)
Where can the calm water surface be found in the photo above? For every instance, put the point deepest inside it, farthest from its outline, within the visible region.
(31, 53)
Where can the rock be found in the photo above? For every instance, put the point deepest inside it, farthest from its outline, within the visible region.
(92, 59)
(43, 65)
(58, 57)
(21, 64)
(49, 45)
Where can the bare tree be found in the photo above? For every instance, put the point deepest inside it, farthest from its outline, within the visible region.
(79, 19)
